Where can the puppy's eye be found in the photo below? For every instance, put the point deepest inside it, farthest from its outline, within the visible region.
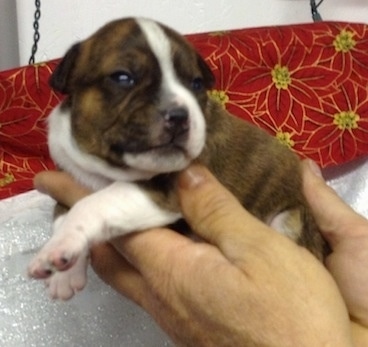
(123, 79)
(197, 84)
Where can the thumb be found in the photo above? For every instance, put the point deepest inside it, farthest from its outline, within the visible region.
(334, 217)
(213, 212)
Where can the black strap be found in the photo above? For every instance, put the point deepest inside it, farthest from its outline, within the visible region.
(36, 35)
(314, 8)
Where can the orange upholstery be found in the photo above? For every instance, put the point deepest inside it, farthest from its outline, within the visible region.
(305, 84)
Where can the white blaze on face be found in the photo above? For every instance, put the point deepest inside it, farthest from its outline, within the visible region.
(160, 45)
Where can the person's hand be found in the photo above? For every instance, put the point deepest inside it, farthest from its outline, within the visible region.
(347, 234)
(247, 285)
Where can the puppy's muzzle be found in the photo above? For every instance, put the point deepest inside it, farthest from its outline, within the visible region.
(174, 133)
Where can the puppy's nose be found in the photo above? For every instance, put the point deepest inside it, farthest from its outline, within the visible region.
(177, 119)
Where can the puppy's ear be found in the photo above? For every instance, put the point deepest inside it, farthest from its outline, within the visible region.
(208, 76)
(60, 78)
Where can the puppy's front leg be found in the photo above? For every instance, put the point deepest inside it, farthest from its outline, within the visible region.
(120, 208)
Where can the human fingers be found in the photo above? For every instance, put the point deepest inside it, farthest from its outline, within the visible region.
(156, 251)
(181, 274)
(117, 272)
(215, 214)
(60, 186)
(334, 217)
(347, 233)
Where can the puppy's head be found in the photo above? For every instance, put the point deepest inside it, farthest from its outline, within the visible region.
(137, 92)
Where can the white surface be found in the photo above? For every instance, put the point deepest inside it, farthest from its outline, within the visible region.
(97, 316)
(65, 22)
(28, 318)
(9, 55)
(351, 182)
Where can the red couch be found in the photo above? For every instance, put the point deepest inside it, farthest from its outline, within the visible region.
(305, 84)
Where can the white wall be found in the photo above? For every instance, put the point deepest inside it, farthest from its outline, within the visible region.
(9, 55)
(64, 22)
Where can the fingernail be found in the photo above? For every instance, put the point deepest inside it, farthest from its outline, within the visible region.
(192, 177)
(315, 168)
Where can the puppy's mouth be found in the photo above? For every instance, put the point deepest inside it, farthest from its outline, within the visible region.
(160, 156)
(169, 144)
(165, 148)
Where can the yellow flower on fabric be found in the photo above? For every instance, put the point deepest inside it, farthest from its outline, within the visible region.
(346, 120)
(281, 77)
(7, 179)
(219, 95)
(344, 41)
(285, 139)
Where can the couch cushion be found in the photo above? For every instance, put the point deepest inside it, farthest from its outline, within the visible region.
(25, 102)
(305, 84)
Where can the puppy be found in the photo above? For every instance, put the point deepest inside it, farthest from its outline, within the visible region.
(136, 113)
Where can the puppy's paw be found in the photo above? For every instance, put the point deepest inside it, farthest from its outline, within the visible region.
(55, 256)
(64, 285)
(60, 253)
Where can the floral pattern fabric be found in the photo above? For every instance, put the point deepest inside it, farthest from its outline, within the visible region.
(25, 101)
(307, 85)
